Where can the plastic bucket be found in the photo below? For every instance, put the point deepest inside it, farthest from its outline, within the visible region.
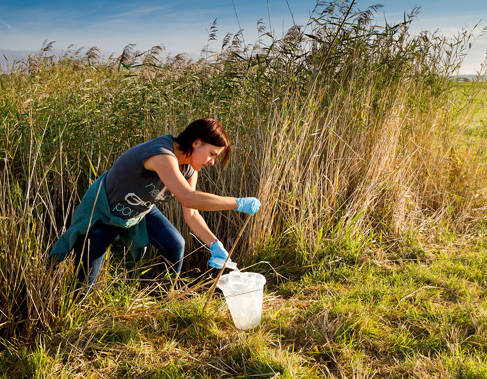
(243, 293)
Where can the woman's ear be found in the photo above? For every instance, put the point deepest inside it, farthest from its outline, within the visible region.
(197, 142)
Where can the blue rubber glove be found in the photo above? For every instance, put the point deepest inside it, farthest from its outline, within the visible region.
(218, 255)
(249, 205)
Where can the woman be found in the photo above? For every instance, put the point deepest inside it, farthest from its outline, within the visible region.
(124, 197)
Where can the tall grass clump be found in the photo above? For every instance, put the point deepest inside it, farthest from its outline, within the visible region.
(342, 128)
(370, 147)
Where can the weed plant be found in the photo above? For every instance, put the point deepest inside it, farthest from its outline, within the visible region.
(345, 130)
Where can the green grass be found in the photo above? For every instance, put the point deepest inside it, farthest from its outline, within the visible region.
(411, 318)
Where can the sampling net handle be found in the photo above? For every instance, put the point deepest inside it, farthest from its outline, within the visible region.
(212, 289)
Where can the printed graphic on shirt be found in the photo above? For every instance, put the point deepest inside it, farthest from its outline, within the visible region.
(133, 205)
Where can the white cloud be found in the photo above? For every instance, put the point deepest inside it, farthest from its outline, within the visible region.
(136, 12)
(5, 25)
(475, 57)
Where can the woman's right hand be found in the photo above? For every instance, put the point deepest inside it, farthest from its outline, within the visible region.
(249, 205)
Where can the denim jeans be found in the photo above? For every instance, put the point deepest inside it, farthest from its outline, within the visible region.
(162, 234)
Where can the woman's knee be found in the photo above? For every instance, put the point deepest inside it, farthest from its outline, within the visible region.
(176, 246)
(173, 252)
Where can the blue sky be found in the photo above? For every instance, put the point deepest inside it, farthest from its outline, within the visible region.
(181, 26)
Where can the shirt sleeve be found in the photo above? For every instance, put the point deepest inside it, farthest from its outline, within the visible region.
(188, 171)
(159, 146)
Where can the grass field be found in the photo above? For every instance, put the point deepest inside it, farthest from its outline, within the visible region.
(423, 316)
(371, 168)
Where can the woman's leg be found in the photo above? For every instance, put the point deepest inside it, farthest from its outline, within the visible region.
(166, 238)
(93, 254)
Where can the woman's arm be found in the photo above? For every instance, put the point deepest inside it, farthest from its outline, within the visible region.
(167, 169)
(194, 220)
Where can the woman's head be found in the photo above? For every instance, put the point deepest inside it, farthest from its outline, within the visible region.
(206, 131)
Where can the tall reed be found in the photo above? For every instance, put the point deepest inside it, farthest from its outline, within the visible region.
(343, 129)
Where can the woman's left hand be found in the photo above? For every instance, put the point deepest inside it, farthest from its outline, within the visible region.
(218, 255)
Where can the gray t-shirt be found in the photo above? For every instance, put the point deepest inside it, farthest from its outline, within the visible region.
(131, 189)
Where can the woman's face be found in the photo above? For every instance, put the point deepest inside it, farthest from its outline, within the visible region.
(204, 154)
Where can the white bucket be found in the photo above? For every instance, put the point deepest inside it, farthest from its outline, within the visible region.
(243, 293)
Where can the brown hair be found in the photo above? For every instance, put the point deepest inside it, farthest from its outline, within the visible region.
(207, 130)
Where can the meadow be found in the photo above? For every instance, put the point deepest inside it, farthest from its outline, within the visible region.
(370, 165)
